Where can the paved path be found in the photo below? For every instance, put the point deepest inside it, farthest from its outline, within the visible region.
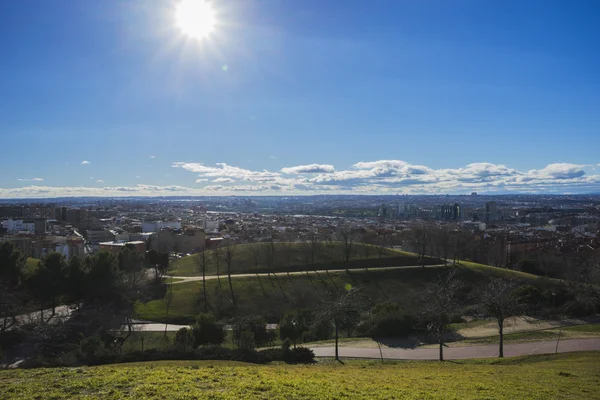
(183, 279)
(458, 353)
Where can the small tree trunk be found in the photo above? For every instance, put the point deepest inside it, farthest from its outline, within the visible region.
(441, 349)
(337, 331)
(501, 332)
(204, 285)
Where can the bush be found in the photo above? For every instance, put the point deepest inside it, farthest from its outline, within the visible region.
(207, 330)
(387, 320)
(299, 355)
(184, 340)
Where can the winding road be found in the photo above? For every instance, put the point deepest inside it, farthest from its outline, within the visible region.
(461, 353)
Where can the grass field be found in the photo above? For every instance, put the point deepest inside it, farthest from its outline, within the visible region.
(272, 296)
(252, 257)
(565, 376)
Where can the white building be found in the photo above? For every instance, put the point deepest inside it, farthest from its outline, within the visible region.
(18, 225)
(158, 225)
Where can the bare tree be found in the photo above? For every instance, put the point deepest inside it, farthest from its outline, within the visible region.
(342, 310)
(255, 252)
(288, 251)
(168, 300)
(420, 239)
(383, 241)
(500, 301)
(347, 236)
(443, 242)
(440, 306)
(229, 253)
(269, 250)
(201, 265)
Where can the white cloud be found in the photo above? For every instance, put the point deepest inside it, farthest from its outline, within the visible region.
(272, 157)
(309, 169)
(380, 176)
(152, 156)
(397, 176)
(85, 162)
(222, 180)
(137, 177)
(31, 179)
(99, 181)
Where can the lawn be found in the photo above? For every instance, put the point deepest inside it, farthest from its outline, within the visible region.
(272, 296)
(569, 376)
(253, 257)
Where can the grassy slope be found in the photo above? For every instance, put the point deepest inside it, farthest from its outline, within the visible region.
(272, 296)
(572, 376)
(243, 258)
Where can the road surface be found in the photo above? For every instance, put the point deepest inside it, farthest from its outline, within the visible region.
(184, 279)
(460, 353)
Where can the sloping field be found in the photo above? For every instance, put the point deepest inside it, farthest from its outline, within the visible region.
(564, 376)
(260, 257)
(271, 296)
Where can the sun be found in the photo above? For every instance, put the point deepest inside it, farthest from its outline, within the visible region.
(195, 18)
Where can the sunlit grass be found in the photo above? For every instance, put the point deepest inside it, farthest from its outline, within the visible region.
(570, 376)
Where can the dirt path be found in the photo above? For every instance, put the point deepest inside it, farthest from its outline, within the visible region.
(184, 279)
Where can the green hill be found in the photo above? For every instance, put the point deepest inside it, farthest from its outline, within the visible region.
(272, 296)
(259, 257)
(569, 376)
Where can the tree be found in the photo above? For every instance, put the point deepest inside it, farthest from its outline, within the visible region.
(201, 265)
(347, 236)
(311, 248)
(76, 278)
(440, 306)
(12, 265)
(184, 339)
(168, 300)
(288, 251)
(443, 242)
(255, 252)
(269, 250)
(229, 253)
(499, 300)
(382, 242)
(341, 311)
(207, 330)
(159, 262)
(294, 324)
(420, 239)
(48, 282)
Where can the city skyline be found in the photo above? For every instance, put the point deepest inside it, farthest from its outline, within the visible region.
(112, 99)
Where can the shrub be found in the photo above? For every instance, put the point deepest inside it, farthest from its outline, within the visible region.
(299, 355)
(207, 330)
(184, 340)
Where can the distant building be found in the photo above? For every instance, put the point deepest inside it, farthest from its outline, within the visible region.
(114, 247)
(159, 225)
(491, 211)
(18, 225)
(97, 236)
(178, 240)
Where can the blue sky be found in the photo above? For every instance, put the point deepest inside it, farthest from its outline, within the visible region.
(398, 96)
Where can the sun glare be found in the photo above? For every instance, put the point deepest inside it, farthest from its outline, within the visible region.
(195, 18)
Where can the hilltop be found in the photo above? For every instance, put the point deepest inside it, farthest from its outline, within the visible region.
(293, 256)
(271, 296)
